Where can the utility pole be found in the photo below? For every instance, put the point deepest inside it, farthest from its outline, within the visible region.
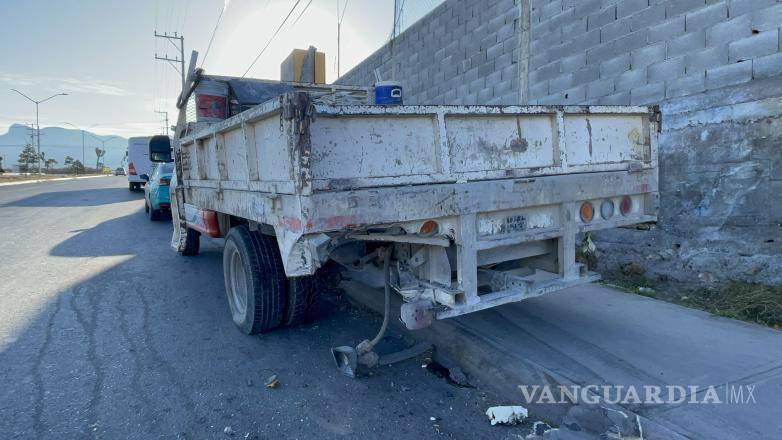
(177, 59)
(37, 123)
(165, 114)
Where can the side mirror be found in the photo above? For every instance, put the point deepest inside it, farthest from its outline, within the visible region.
(144, 177)
(160, 149)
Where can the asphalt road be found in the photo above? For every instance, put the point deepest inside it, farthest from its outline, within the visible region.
(106, 333)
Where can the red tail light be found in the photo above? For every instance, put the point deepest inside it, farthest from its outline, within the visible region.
(165, 180)
(131, 169)
(626, 205)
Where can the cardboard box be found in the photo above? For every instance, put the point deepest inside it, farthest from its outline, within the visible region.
(291, 68)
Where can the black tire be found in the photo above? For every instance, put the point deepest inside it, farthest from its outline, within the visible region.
(146, 206)
(254, 280)
(154, 214)
(131, 186)
(192, 243)
(300, 296)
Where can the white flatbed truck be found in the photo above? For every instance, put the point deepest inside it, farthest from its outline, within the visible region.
(455, 208)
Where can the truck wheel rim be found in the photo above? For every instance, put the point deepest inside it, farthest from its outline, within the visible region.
(238, 284)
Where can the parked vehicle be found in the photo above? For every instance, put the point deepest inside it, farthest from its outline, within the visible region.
(138, 162)
(455, 208)
(156, 196)
(119, 171)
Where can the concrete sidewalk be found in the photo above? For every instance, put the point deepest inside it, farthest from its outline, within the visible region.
(595, 335)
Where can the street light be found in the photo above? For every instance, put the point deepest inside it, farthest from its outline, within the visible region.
(37, 124)
(82, 137)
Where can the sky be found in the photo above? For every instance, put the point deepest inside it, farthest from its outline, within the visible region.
(101, 52)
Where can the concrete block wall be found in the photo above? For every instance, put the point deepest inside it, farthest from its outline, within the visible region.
(714, 67)
(463, 52)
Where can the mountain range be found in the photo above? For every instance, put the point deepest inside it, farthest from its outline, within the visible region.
(58, 142)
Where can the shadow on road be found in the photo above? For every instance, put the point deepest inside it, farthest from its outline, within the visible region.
(92, 197)
(144, 347)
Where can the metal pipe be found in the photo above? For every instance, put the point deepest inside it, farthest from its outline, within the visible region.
(387, 291)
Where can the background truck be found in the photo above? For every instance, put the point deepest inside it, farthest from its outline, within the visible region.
(137, 160)
(455, 208)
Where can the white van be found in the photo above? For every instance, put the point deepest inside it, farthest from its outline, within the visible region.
(137, 161)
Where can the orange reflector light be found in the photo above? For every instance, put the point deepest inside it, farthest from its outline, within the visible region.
(587, 212)
(430, 227)
(626, 205)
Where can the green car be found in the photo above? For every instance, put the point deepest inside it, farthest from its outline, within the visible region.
(156, 199)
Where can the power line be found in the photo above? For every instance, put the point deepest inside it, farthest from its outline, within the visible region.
(214, 32)
(302, 13)
(272, 38)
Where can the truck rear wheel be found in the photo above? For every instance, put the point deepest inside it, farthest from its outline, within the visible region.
(192, 242)
(254, 280)
(300, 296)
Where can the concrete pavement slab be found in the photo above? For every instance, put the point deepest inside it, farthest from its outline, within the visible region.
(596, 335)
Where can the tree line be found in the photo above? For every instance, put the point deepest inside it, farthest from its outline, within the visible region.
(28, 162)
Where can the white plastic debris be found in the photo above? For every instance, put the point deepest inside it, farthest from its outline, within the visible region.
(506, 415)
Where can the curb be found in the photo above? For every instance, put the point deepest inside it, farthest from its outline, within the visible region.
(59, 179)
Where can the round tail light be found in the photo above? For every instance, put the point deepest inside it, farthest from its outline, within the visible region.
(587, 212)
(626, 205)
(429, 228)
(607, 209)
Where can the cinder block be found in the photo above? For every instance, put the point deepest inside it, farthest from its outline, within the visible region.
(544, 73)
(586, 74)
(768, 66)
(727, 31)
(647, 55)
(667, 30)
(688, 42)
(762, 44)
(550, 9)
(573, 62)
(574, 28)
(648, 94)
(576, 95)
(632, 41)
(615, 66)
(597, 89)
(485, 95)
(511, 73)
(705, 17)
(739, 7)
(560, 83)
(538, 90)
(706, 59)
(553, 99)
(629, 7)
(603, 52)
(615, 29)
(687, 85)
(477, 84)
(666, 70)
(630, 80)
(650, 16)
(768, 18)
(621, 98)
(677, 7)
(728, 75)
(494, 51)
(585, 7)
(601, 18)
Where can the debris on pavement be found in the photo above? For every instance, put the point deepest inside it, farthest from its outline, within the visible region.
(458, 377)
(228, 431)
(540, 428)
(507, 415)
(272, 381)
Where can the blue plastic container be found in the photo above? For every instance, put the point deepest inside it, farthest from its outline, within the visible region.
(388, 93)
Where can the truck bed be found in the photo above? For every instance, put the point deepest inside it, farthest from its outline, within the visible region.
(272, 148)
